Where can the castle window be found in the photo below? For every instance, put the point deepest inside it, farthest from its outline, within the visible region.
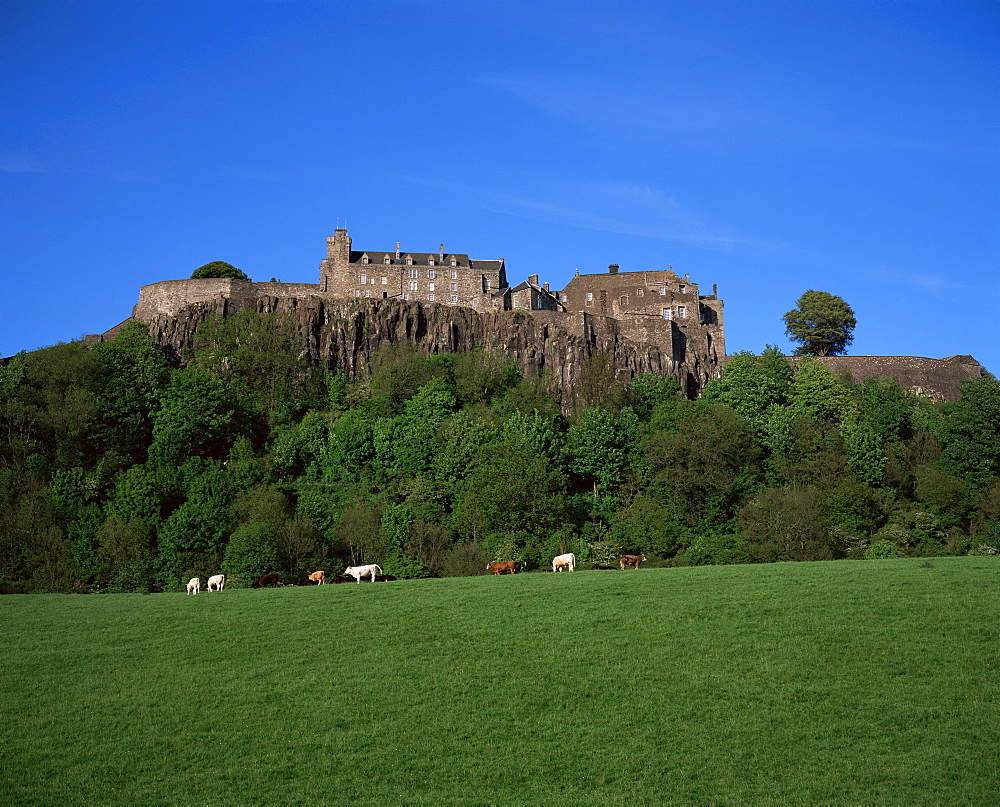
(385, 280)
(357, 292)
(413, 285)
(682, 288)
(454, 287)
(486, 284)
(681, 311)
(368, 293)
(364, 259)
(364, 279)
(430, 297)
(624, 301)
(454, 298)
(409, 261)
(413, 273)
(590, 297)
(454, 262)
(430, 287)
(454, 274)
(430, 274)
(406, 295)
(638, 292)
(663, 289)
(666, 313)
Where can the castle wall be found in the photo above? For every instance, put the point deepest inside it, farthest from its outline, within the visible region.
(938, 379)
(171, 296)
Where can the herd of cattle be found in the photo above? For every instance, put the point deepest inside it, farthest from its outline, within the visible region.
(565, 562)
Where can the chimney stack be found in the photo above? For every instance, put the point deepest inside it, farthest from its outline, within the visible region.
(397, 250)
(613, 268)
(687, 277)
(546, 287)
(441, 252)
(533, 280)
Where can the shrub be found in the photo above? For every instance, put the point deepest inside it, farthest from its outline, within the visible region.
(218, 269)
(464, 560)
(252, 552)
(882, 550)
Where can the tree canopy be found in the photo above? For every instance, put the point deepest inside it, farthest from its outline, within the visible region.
(119, 472)
(219, 269)
(824, 323)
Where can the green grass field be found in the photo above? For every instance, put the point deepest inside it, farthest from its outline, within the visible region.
(811, 683)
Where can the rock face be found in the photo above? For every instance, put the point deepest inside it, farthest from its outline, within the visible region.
(342, 334)
(937, 379)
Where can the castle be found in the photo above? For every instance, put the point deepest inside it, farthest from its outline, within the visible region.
(647, 321)
(658, 307)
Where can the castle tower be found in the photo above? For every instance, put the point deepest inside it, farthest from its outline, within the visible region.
(335, 271)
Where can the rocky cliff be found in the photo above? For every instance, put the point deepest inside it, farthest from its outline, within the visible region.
(342, 334)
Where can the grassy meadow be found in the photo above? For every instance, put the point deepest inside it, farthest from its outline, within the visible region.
(838, 682)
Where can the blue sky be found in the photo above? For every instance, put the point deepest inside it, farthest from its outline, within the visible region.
(768, 147)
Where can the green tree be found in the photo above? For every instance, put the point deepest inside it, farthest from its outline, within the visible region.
(971, 431)
(218, 269)
(751, 384)
(822, 322)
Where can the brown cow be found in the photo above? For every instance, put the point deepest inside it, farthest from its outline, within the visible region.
(267, 580)
(626, 561)
(502, 567)
(318, 577)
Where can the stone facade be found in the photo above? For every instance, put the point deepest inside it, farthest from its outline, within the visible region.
(647, 321)
(657, 306)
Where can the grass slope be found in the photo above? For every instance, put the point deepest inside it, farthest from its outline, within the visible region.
(843, 682)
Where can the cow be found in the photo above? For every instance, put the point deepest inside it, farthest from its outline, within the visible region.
(633, 561)
(357, 572)
(319, 578)
(567, 561)
(384, 578)
(267, 580)
(502, 567)
(194, 585)
(339, 578)
(218, 581)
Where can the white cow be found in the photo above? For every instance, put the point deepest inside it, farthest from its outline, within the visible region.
(218, 581)
(357, 572)
(567, 561)
(194, 585)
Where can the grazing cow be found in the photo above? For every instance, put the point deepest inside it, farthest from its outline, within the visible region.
(319, 578)
(267, 580)
(384, 578)
(502, 567)
(216, 582)
(633, 561)
(194, 585)
(339, 578)
(357, 572)
(567, 561)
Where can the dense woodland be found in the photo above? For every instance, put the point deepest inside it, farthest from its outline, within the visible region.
(119, 472)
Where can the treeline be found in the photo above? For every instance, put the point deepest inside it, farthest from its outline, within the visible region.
(121, 473)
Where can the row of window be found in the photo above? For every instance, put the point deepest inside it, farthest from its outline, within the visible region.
(431, 296)
(409, 261)
(413, 274)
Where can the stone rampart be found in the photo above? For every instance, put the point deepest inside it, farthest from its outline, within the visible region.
(169, 297)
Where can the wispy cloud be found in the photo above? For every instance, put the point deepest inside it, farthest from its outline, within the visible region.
(613, 206)
(11, 163)
(696, 111)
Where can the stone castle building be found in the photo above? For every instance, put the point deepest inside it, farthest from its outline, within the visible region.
(658, 307)
(647, 321)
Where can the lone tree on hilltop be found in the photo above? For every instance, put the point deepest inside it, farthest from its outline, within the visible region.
(219, 269)
(823, 323)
